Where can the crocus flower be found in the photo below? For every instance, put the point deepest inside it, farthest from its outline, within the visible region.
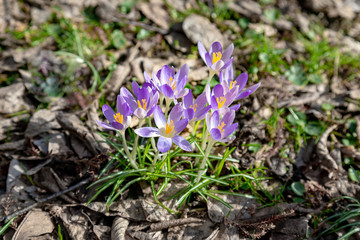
(226, 80)
(216, 59)
(144, 102)
(167, 131)
(169, 84)
(220, 130)
(120, 120)
(221, 100)
(195, 110)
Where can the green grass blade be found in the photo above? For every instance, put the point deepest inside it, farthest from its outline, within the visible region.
(6, 226)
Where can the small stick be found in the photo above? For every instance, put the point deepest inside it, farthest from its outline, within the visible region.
(173, 223)
(45, 199)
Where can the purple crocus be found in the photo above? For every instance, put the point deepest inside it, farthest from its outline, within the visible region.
(221, 100)
(220, 130)
(167, 131)
(195, 110)
(144, 104)
(216, 59)
(226, 80)
(120, 120)
(169, 84)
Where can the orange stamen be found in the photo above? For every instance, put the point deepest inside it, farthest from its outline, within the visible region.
(144, 103)
(232, 84)
(193, 107)
(119, 118)
(172, 84)
(220, 102)
(169, 127)
(216, 57)
(221, 127)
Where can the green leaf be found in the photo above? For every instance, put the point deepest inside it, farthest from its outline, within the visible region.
(296, 75)
(264, 57)
(298, 188)
(313, 129)
(118, 39)
(315, 79)
(327, 106)
(353, 174)
(142, 34)
(243, 22)
(272, 14)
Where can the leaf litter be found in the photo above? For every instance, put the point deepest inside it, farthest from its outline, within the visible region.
(49, 154)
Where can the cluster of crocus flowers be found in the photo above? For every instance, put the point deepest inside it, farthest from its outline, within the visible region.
(215, 105)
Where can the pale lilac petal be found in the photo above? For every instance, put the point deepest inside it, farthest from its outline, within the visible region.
(229, 139)
(144, 94)
(180, 125)
(214, 120)
(150, 111)
(235, 107)
(228, 73)
(227, 53)
(135, 87)
(208, 93)
(228, 117)
(117, 125)
(189, 113)
(229, 130)
(108, 113)
(248, 91)
(218, 65)
(208, 60)
(188, 99)
(167, 91)
(214, 104)
(106, 125)
(200, 101)
(215, 47)
(159, 117)
(153, 101)
(147, 77)
(166, 74)
(176, 113)
(182, 93)
(200, 114)
(140, 113)
(230, 96)
(164, 144)
(182, 143)
(129, 98)
(227, 64)
(180, 84)
(218, 90)
(183, 72)
(202, 51)
(147, 132)
(215, 134)
(241, 80)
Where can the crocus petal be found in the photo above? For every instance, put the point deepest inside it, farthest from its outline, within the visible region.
(230, 96)
(108, 113)
(214, 120)
(227, 64)
(140, 113)
(248, 91)
(188, 99)
(189, 114)
(117, 125)
(159, 117)
(166, 74)
(180, 84)
(241, 80)
(228, 117)
(153, 100)
(135, 88)
(200, 101)
(182, 93)
(218, 90)
(164, 144)
(147, 132)
(229, 139)
(235, 107)
(202, 51)
(143, 93)
(200, 114)
(167, 91)
(183, 72)
(180, 125)
(208, 93)
(129, 98)
(208, 59)
(218, 65)
(215, 47)
(106, 125)
(215, 134)
(227, 53)
(176, 113)
(214, 104)
(182, 143)
(228, 73)
(229, 130)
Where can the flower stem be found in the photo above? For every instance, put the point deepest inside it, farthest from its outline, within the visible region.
(202, 169)
(134, 151)
(131, 159)
(153, 144)
(167, 105)
(211, 75)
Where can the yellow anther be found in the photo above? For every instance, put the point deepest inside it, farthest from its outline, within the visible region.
(220, 101)
(221, 127)
(144, 103)
(193, 107)
(216, 57)
(172, 84)
(119, 118)
(169, 127)
(232, 84)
